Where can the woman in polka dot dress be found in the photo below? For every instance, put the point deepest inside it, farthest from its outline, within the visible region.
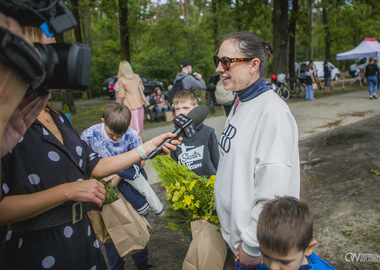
(41, 178)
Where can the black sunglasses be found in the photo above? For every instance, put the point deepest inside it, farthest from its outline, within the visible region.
(226, 61)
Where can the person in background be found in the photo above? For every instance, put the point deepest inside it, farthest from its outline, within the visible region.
(199, 153)
(151, 107)
(309, 80)
(371, 72)
(184, 80)
(327, 77)
(161, 103)
(258, 148)
(131, 92)
(285, 234)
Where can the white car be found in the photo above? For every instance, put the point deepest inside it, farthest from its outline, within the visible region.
(318, 66)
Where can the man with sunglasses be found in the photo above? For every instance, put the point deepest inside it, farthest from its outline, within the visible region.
(184, 80)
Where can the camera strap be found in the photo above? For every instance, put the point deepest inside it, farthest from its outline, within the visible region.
(17, 53)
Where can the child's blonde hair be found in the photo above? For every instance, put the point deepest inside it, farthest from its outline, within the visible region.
(184, 95)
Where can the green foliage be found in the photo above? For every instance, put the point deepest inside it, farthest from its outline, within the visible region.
(112, 193)
(191, 196)
(162, 34)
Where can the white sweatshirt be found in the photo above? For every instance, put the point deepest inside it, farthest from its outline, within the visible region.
(259, 159)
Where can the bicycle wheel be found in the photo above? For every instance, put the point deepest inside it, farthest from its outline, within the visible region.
(299, 89)
(285, 93)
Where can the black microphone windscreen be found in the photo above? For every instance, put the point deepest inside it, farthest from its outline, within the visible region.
(198, 114)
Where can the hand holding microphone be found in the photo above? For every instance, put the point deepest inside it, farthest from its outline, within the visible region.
(184, 125)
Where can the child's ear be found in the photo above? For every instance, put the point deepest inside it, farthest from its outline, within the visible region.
(310, 248)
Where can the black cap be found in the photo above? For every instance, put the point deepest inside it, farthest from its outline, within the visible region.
(185, 63)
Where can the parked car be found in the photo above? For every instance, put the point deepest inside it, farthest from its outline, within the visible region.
(150, 85)
(318, 65)
(108, 87)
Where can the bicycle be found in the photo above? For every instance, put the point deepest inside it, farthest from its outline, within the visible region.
(296, 87)
(280, 86)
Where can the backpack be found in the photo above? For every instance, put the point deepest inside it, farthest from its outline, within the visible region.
(176, 87)
(221, 95)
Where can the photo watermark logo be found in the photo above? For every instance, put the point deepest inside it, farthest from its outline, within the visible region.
(362, 257)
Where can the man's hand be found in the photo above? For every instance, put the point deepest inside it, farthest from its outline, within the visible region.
(245, 260)
(198, 76)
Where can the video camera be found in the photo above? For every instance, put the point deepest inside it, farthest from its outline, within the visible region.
(60, 66)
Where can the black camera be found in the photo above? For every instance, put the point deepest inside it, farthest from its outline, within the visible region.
(59, 67)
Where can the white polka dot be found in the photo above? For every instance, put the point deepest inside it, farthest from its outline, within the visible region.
(53, 156)
(48, 262)
(62, 120)
(79, 150)
(96, 243)
(93, 268)
(89, 230)
(34, 179)
(5, 188)
(91, 158)
(20, 243)
(8, 236)
(45, 132)
(80, 162)
(80, 179)
(22, 138)
(68, 231)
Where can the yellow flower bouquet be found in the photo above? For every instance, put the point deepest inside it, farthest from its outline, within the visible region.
(191, 196)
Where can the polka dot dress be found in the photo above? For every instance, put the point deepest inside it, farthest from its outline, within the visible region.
(39, 162)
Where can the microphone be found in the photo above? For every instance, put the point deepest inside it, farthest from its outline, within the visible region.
(184, 125)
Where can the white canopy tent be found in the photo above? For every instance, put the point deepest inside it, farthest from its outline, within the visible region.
(367, 48)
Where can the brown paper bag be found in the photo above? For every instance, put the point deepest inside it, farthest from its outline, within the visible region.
(99, 226)
(207, 250)
(169, 116)
(129, 231)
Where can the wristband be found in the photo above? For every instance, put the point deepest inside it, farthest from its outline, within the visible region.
(141, 152)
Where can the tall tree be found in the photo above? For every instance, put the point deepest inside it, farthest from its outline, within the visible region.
(75, 10)
(292, 38)
(124, 30)
(280, 36)
(327, 33)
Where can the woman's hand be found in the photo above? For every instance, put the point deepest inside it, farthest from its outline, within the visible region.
(149, 146)
(87, 191)
(113, 179)
(245, 260)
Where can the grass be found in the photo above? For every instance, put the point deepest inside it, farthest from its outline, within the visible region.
(89, 115)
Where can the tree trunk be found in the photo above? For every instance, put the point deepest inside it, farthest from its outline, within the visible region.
(214, 5)
(124, 30)
(311, 56)
(292, 39)
(327, 34)
(88, 15)
(280, 36)
(77, 29)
